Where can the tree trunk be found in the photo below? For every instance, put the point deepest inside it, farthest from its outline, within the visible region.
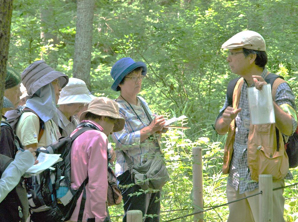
(49, 40)
(83, 40)
(5, 21)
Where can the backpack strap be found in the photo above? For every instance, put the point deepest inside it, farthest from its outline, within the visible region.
(230, 90)
(275, 81)
(4, 123)
(41, 122)
(73, 202)
(73, 137)
(270, 79)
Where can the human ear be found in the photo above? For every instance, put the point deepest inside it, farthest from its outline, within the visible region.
(252, 58)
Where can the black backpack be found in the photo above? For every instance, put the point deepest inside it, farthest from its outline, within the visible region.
(292, 145)
(15, 206)
(46, 190)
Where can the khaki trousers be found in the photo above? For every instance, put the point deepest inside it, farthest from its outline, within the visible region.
(247, 210)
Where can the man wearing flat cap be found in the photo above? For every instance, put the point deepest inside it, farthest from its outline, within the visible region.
(251, 150)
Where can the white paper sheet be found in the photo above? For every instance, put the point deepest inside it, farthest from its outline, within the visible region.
(261, 105)
(174, 119)
(45, 161)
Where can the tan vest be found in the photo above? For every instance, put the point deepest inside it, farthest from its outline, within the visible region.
(263, 154)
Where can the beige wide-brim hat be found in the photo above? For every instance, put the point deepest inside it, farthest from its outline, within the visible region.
(75, 91)
(246, 39)
(103, 106)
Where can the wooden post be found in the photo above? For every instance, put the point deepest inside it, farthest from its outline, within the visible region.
(266, 198)
(197, 179)
(134, 216)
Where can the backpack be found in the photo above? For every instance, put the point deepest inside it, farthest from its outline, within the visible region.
(13, 117)
(54, 187)
(50, 195)
(17, 144)
(292, 145)
(15, 206)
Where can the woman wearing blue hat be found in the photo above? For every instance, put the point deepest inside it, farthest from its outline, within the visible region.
(139, 138)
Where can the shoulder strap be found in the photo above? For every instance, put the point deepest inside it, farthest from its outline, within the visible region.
(270, 78)
(230, 90)
(126, 157)
(275, 81)
(4, 123)
(145, 109)
(149, 118)
(41, 122)
(80, 131)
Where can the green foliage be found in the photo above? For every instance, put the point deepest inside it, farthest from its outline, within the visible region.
(187, 71)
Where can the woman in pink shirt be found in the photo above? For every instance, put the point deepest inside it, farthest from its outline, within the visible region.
(89, 157)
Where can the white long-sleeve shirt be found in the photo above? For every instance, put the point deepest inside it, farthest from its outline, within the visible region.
(12, 174)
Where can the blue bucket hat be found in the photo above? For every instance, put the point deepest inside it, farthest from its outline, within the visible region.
(123, 67)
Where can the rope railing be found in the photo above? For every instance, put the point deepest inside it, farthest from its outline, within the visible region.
(214, 207)
(265, 191)
(225, 204)
(291, 185)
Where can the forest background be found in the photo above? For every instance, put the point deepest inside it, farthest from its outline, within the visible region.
(187, 71)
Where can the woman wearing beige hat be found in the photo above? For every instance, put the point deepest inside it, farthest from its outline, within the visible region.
(72, 99)
(138, 141)
(89, 157)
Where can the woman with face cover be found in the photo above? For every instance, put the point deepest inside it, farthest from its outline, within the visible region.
(39, 127)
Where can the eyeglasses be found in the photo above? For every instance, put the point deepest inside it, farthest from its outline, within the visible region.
(234, 53)
(135, 78)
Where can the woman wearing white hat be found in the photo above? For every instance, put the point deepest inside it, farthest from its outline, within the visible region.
(72, 99)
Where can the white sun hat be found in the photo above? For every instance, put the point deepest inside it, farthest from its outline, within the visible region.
(75, 91)
(23, 91)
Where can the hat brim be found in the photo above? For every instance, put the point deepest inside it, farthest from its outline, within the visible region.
(127, 71)
(83, 98)
(47, 79)
(118, 126)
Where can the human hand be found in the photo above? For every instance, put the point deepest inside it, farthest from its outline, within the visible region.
(34, 154)
(229, 114)
(259, 82)
(157, 124)
(163, 130)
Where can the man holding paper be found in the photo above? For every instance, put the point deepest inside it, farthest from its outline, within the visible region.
(254, 149)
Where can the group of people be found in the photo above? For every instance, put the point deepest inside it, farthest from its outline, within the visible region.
(59, 106)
